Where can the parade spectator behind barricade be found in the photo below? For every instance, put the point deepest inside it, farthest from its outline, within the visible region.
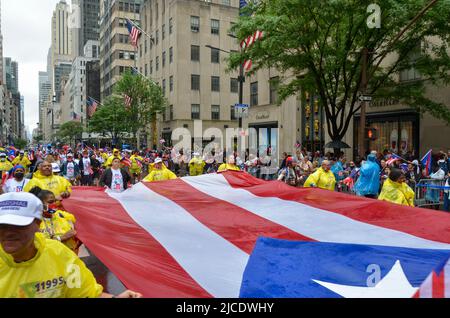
(86, 169)
(283, 161)
(22, 160)
(447, 193)
(159, 172)
(16, 181)
(27, 257)
(45, 180)
(287, 174)
(56, 224)
(323, 178)
(413, 173)
(433, 195)
(211, 160)
(396, 190)
(252, 165)
(338, 169)
(229, 165)
(448, 161)
(196, 165)
(5, 165)
(368, 183)
(181, 161)
(70, 169)
(115, 177)
(442, 162)
(304, 169)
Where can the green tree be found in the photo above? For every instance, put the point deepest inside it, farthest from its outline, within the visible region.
(38, 138)
(70, 130)
(20, 143)
(318, 45)
(111, 118)
(147, 101)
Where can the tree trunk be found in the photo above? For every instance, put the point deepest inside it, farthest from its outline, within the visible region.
(154, 133)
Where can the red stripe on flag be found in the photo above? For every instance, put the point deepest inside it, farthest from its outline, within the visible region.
(237, 225)
(427, 224)
(438, 285)
(130, 252)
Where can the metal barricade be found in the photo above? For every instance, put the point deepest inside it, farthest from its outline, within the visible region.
(430, 193)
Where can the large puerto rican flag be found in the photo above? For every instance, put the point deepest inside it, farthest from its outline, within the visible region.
(232, 235)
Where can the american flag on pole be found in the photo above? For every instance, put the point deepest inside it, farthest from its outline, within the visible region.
(232, 235)
(250, 40)
(134, 33)
(92, 106)
(393, 158)
(128, 101)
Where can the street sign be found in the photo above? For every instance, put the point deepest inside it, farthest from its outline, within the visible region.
(241, 110)
(365, 98)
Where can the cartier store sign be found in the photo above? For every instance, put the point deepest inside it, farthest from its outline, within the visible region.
(262, 115)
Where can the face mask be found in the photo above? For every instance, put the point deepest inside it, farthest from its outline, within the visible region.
(19, 175)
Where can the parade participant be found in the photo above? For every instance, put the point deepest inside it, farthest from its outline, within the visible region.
(22, 160)
(136, 166)
(116, 154)
(230, 165)
(5, 164)
(159, 172)
(323, 178)
(35, 267)
(56, 170)
(70, 169)
(181, 161)
(96, 168)
(86, 169)
(45, 180)
(196, 165)
(18, 182)
(368, 183)
(115, 178)
(396, 190)
(288, 174)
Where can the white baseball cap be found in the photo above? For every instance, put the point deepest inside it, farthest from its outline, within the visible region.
(19, 208)
(158, 160)
(55, 167)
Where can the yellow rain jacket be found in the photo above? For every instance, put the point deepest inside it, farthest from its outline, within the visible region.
(5, 166)
(23, 162)
(396, 192)
(321, 179)
(160, 175)
(135, 168)
(61, 223)
(196, 166)
(110, 160)
(55, 272)
(56, 184)
(226, 166)
(105, 159)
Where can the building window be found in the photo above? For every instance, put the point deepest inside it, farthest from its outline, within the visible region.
(195, 53)
(164, 87)
(171, 83)
(163, 31)
(171, 55)
(215, 83)
(274, 83)
(226, 2)
(195, 24)
(151, 67)
(215, 112)
(412, 73)
(164, 59)
(171, 112)
(232, 113)
(170, 25)
(215, 27)
(234, 85)
(140, 50)
(145, 46)
(157, 37)
(145, 70)
(254, 94)
(195, 82)
(215, 56)
(195, 111)
(157, 64)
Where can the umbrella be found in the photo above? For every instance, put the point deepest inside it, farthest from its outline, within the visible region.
(337, 144)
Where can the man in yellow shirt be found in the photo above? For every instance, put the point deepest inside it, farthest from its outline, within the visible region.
(159, 172)
(32, 266)
(396, 190)
(22, 160)
(5, 164)
(45, 180)
(323, 178)
(230, 165)
(196, 165)
(116, 154)
(136, 166)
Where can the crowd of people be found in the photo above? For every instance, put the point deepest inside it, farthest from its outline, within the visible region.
(37, 232)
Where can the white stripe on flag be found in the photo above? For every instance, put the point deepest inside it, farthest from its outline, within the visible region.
(318, 224)
(212, 261)
(426, 289)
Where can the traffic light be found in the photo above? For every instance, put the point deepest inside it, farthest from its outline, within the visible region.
(371, 134)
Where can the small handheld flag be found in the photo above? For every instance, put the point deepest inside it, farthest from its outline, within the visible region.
(426, 162)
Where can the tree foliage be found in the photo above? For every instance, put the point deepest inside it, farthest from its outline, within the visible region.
(70, 131)
(147, 101)
(20, 143)
(318, 45)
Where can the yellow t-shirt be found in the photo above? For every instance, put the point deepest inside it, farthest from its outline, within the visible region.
(225, 166)
(55, 272)
(135, 168)
(61, 223)
(196, 167)
(160, 175)
(23, 162)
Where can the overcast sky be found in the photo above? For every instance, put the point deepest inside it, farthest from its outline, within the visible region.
(26, 29)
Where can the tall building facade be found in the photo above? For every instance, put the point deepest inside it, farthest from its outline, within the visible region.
(1, 46)
(117, 54)
(11, 70)
(88, 28)
(45, 94)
